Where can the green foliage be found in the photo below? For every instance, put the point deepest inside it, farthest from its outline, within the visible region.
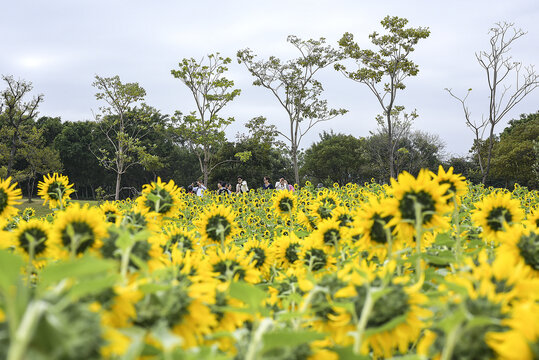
(294, 86)
(203, 129)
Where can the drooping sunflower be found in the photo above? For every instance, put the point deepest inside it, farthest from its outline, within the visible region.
(112, 212)
(9, 195)
(55, 189)
(495, 214)
(520, 245)
(178, 237)
(160, 198)
(457, 183)
(400, 311)
(521, 341)
(285, 203)
(78, 229)
(409, 192)
(324, 204)
(32, 238)
(216, 225)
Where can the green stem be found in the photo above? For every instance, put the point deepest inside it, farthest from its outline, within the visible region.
(257, 338)
(25, 331)
(450, 342)
(456, 223)
(125, 262)
(30, 265)
(362, 324)
(419, 236)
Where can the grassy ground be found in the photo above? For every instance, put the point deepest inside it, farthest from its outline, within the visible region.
(41, 210)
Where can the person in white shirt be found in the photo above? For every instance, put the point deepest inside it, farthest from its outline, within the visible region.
(282, 184)
(199, 189)
(241, 186)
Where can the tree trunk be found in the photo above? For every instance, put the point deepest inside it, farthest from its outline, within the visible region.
(489, 155)
(295, 163)
(12, 154)
(391, 154)
(30, 188)
(118, 180)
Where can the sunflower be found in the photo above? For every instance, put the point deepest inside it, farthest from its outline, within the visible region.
(55, 189)
(520, 245)
(330, 233)
(78, 229)
(324, 204)
(495, 214)
(533, 219)
(160, 198)
(261, 254)
(8, 198)
(457, 183)
(521, 341)
(287, 250)
(112, 212)
(371, 222)
(422, 192)
(216, 225)
(396, 318)
(344, 217)
(285, 203)
(32, 239)
(179, 238)
(28, 213)
(228, 265)
(315, 255)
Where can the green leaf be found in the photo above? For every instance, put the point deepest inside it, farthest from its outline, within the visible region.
(84, 267)
(247, 293)
(444, 239)
(10, 268)
(93, 286)
(387, 326)
(347, 353)
(287, 337)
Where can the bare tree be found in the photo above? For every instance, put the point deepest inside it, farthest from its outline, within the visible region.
(17, 112)
(295, 88)
(503, 94)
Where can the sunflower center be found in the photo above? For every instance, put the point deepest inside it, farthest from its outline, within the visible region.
(55, 190)
(286, 204)
(259, 256)
(332, 237)
(423, 198)
(497, 216)
(501, 285)
(291, 253)
(378, 231)
(3, 200)
(159, 200)
(229, 269)
(324, 211)
(111, 216)
(345, 220)
(82, 233)
(529, 249)
(218, 228)
(392, 305)
(316, 259)
(35, 235)
(181, 241)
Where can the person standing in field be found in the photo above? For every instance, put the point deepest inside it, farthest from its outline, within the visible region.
(267, 184)
(282, 184)
(241, 186)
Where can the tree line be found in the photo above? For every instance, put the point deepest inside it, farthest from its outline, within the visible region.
(130, 143)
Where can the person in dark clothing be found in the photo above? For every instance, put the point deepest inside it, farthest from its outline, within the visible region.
(267, 183)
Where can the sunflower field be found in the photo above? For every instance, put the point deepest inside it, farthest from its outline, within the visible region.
(428, 267)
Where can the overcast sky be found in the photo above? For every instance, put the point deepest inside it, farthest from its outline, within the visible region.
(61, 45)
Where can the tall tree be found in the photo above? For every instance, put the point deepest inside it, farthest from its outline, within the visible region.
(503, 96)
(203, 129)
(294, 86)
(383, 71)
(15, 112)
(122, 125)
